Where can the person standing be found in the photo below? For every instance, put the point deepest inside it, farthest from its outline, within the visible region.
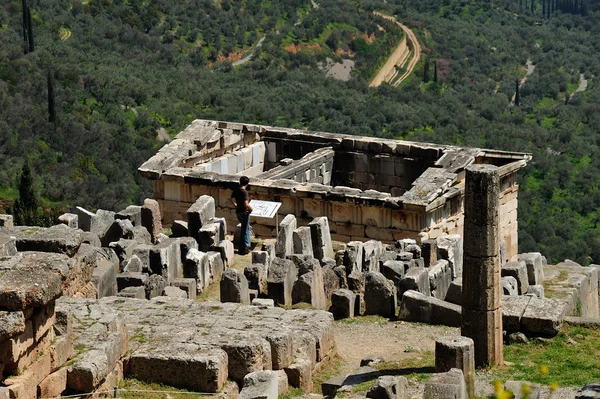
(241, 200)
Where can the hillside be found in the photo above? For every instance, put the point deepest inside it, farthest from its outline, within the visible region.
(123, 69)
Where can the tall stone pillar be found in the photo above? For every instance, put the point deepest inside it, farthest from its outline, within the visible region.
(482, 290)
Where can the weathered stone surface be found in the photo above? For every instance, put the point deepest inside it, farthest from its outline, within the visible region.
(321, 238)
(393, 270)
(131, 279)
(225, 248)
(485, 328)
(535, 270)
(71, 220)
(185, 244)
(485, 289)
(426, 309)
(262, 384)
(133, 265)
(133, 292)
(285, 243)
(119, 229)
(256, 274)
(543, 316)
(234, 287)
(450, 248)
(132, 213)
(180, 364)
(123, 248)
(589, 391)
(155, 286)
(362, 374)
(342, 304)
(199, 214)
(517, 338)
(371, 251)
(454, 294)
(261, 257)
(8, 245)
(518, 270)
(263, 302)
(388, 387)
(216, 265)
(53, 385)
(165, 259)
(304, 263)
(416, 279)
(457, 352)
(11, 324)
(151, 218)
(105, 279)
(6, 220)
(448, 385)
(536, 291)
(179, 228)
(300, 374)
(513, 308)
(302, 241)
(380, 295)
(59, 239)
(280, 281)
(95, 223)
(188, 285)
(175, 292)
(309, 289)
(509, 286)
(440, 277)
(282, 348)
(353, 257)
(196, 266)
(518, 390)
(208, 236)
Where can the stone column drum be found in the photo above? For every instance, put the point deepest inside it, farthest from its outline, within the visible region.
(482, 290)
(456, 352)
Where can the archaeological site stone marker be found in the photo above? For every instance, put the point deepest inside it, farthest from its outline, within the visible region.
(265, 209)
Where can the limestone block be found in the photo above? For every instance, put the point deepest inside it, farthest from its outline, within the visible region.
(429, 253)
(132, 213)
(543, 316)
(342, 304)
(234, 287)
(282, 348)
(175, 292)
(393, 270)
(261, 257)
(54, 384)
(105, 279)
(59, 239)
(188, 285)
(589, 391)
(425, 309)
(300, 374)
(179, 228)
(196, 266)
(25, 385)
(478, 273)
(133, 292)
(263, 384)
(8, 246)
(535, 270)
(185, 365)
(117, 230)
(513, 308)
(69, 219)
(302, 241)
(333, 279)
(263, 303)
(280, 281)
(414, 249)
(449, 247)
(185, 244)
(380, 295)
(285, 245)
(416, 278)
(440, 278)
(11, 324)
(124, 249)
(216, 265)
(256, 274)
(222, 222)
(321, 238)
(226, 250)
(448, 385)
(6, 221)
(155, 286)
(208, 236)
(518, 270)
(371, 251)
(509, 286)
(459, 353)
(199, 214)
(27, 287)
(454, 294)
(485, 328)
(353, 257)
(309, 289)
(151, 218)
(388, 387)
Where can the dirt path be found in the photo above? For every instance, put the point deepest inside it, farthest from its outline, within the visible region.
(410, 40)
(582, 83)
(530, 69)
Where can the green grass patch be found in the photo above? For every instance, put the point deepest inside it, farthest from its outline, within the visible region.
(291, 393)
(9, 193)
(132, 388)
(364, 320)
(329, 369)
(572, 359)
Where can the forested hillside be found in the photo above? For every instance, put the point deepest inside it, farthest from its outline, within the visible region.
(121, 69)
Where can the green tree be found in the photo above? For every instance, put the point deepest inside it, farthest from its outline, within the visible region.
(51, 107)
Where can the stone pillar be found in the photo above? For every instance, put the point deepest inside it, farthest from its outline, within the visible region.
(456, 352)
(482, 291)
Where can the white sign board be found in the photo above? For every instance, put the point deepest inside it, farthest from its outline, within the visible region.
(264, 209)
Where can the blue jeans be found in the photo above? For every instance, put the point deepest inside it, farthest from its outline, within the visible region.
(244, 218)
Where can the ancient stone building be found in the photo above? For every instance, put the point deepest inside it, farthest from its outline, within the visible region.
(369, 188)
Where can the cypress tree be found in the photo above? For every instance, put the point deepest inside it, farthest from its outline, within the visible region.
(426, 70)
(532, 6)
(27, 198)
(30, 30)
(25, 28)
(51, 109)
(435, 74)
(517, 96)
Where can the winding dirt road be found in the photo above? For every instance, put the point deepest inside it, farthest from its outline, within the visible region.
(396, 56)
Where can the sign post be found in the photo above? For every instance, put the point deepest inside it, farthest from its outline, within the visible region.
(266, 209)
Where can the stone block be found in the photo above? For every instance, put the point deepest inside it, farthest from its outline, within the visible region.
(589, 391)
(282, 348)
(425, 309)
(165, 259)
(321, 238)
(450, 248)
(133, 292)
(11, 324)
(371, 251)
(71, 220)
(456, 352)
(155, 286)
(416, 278)
(440, 278)
(454, 294)
(353, 257)
(263, 303)
(196, 266)
(309, 289)
(522, 389)
(342, 304)
(225, 248)
(28, 287)
(256, 274)
(388, 387)
(261, 257)
(535, 270)
(133, 265)
(263, 384)
(485, 329)
(300, 374)
(119, 229)
(185, 244)
(151, 218)
(448, 385)
(208, 236)
(25, 385)
(199, 214)
(234, 287)
(333, 279)
(536, 291)
(8, 246)
(105, 279)
(59, 239)
(188, 285)
(175, 292)
(509, 286)
(179, 228)
(6, 221)
(280, 281)
(216, 265)
(53, 385)
(285, 243)
(184, 365)
(302, 241)
(132, 213)
(380, 295)
(518, 270)
(543, 316)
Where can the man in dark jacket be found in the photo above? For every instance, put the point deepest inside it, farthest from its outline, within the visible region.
(241, 201)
